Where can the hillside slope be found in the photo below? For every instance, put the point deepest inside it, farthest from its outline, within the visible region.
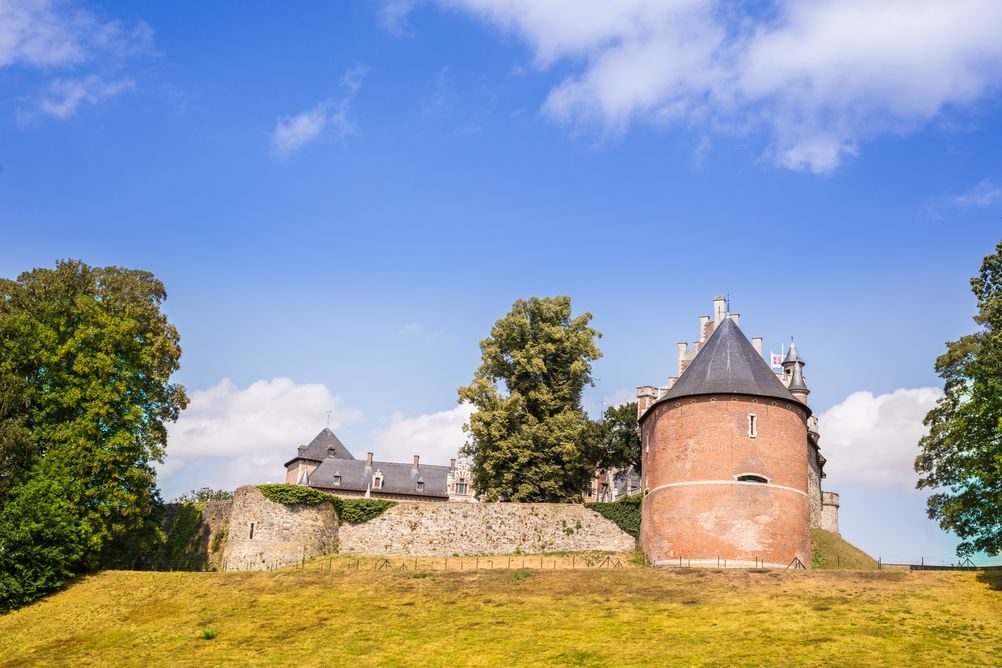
(627, 617)
(832, 551)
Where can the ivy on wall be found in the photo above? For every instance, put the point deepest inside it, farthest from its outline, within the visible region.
(294, 495)
(625, 513)
(352, 510)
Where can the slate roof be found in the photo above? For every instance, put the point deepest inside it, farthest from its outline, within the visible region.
(317, 449)
(398, 478)
(728, 364)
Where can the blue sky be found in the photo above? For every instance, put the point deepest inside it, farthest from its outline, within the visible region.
(341, 198)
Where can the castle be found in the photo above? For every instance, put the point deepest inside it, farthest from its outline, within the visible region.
(731, 461)
(325, 463)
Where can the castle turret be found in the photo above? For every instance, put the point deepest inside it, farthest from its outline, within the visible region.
(725, 462)
(794, 366)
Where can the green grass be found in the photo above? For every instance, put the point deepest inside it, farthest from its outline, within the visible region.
(832, 551)
(546, 617)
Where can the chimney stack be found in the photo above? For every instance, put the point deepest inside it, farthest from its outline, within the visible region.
(368, 460)
(414, 466)
(452, 464)
(704, 327)
(735, 318)
(756, 343)
(719, 309)
(683, 349)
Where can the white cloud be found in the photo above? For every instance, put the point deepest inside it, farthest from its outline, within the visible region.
(820, 75)
(230, 436)
(874, 439)
(65, 95)
(48, 34)
(293, 132)
(437, 437)
(981, 196)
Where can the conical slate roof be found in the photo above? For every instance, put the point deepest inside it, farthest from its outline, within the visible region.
(317, 448)
(728, 364)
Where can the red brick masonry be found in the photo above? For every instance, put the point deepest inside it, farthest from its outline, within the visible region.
(696, 509)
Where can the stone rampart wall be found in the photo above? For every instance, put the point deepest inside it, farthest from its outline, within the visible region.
(281, 534)
(829, 511)
(445, 529)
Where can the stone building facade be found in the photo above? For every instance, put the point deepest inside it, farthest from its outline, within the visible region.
(732, 466)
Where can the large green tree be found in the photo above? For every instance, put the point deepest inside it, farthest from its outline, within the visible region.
(529, 437)
(86, 356)
(961, 456)
(617, 438)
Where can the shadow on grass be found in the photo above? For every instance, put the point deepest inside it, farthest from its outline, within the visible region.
(991, 578)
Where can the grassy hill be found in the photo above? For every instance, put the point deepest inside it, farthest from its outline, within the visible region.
(591, 617)
(831, 551)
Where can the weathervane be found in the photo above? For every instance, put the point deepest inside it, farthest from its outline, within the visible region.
(329, 414)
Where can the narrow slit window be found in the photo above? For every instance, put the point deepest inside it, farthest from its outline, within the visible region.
(752, 425)
(251, 531)
(752, 478)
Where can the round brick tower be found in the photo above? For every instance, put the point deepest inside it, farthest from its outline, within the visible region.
(725, 470)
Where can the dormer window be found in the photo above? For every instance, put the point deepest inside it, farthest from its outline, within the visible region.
(337, 479)
(420, 485)
(377, 480)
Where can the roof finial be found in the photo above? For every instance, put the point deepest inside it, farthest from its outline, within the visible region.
(329, 414)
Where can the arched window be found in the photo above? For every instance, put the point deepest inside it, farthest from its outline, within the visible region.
(751, 478)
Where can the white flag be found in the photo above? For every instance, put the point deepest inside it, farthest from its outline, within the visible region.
(777, 359)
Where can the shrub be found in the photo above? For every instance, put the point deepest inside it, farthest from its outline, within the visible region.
(359, 511)
(625, 513)
(351, 510)
(295, 495)
(208, 633)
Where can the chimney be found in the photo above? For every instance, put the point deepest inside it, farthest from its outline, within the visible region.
(719, 309)
(704, 325)
(452, 464)
(414, 466)
(368, 459)
(682, 350)
(735, 318)
(756, 343)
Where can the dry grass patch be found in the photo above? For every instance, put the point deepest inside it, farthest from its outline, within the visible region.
(593, 617)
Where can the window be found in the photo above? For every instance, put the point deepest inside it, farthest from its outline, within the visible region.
(251, 531)
(337, 480)
(752, 425)
(377, 481)
(752, 478)
(461, 486)
(420, 486)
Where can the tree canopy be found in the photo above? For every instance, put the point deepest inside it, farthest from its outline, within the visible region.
(529, 436)
(86, 357)
(961, 456)
(618, 438)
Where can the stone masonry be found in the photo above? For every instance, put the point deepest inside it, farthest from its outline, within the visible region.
(429, 529)
(263, 534)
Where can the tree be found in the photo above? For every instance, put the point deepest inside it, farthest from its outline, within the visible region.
(203, 494)
(528, 438)
(618, 438)
(961, 456)
(86, 357)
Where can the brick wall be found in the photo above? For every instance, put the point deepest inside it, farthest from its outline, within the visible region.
(430, 529)
(697, 510)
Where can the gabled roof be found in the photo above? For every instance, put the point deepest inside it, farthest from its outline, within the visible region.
(728, 364)
(398, 478)
(317, 449)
